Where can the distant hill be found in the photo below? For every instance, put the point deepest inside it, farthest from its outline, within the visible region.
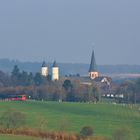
(7, 65)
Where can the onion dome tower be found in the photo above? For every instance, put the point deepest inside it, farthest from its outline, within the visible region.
(44, 70)
(93, 73)
(55, 72)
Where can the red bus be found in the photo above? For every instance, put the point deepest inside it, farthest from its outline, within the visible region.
(16, 98)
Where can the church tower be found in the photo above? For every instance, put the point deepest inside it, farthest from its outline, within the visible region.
(44, 70)
(93, 73)
(55, 72)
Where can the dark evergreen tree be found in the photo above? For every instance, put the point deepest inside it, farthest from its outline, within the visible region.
(15, 75)
(49, 77)
(15, 71)
(23, 78)
(30, 78)
(67, 85)
(38, 79)
(5, 79)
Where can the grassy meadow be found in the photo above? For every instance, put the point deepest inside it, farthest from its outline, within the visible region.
(71, 117)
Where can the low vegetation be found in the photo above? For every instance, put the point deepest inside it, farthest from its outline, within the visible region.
(122, 134)
(12, 119)
(17, 137)
(90, 120)
(86, 131)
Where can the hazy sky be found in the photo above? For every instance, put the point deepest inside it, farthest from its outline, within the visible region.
(67, 30)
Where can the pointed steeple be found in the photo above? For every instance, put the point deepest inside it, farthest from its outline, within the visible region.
(54, 64)
(93, 66)
(44, 64)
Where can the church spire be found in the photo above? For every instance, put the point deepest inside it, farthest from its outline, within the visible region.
(44, 64)
(54, 64)
(93, 73)
(93, 66)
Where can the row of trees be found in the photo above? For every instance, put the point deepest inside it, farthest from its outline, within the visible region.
(56, 91)
(40, 88)
(21, 78)
(130, 90)
(25, 79)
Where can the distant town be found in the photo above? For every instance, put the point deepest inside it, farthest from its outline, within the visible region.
(50, 85)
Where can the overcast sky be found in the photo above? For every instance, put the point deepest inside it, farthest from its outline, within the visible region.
(67, 30)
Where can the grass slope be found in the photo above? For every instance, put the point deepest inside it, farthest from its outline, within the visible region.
(104, 118)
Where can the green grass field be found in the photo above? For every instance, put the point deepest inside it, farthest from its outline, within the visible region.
(104, 118)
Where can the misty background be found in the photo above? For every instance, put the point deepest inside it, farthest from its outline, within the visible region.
(67, 30)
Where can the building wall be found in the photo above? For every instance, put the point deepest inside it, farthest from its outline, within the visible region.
(55, 73)
(44, 71)
(93, 75)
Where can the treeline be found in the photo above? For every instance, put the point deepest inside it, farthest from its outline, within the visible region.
(55, 91)
(42, 88)
(66, 89)
(130, 90)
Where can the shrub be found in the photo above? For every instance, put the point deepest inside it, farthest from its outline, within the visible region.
(12, 119)
(63, 125)
(41, 122)
(86, 131)
(121, 134)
